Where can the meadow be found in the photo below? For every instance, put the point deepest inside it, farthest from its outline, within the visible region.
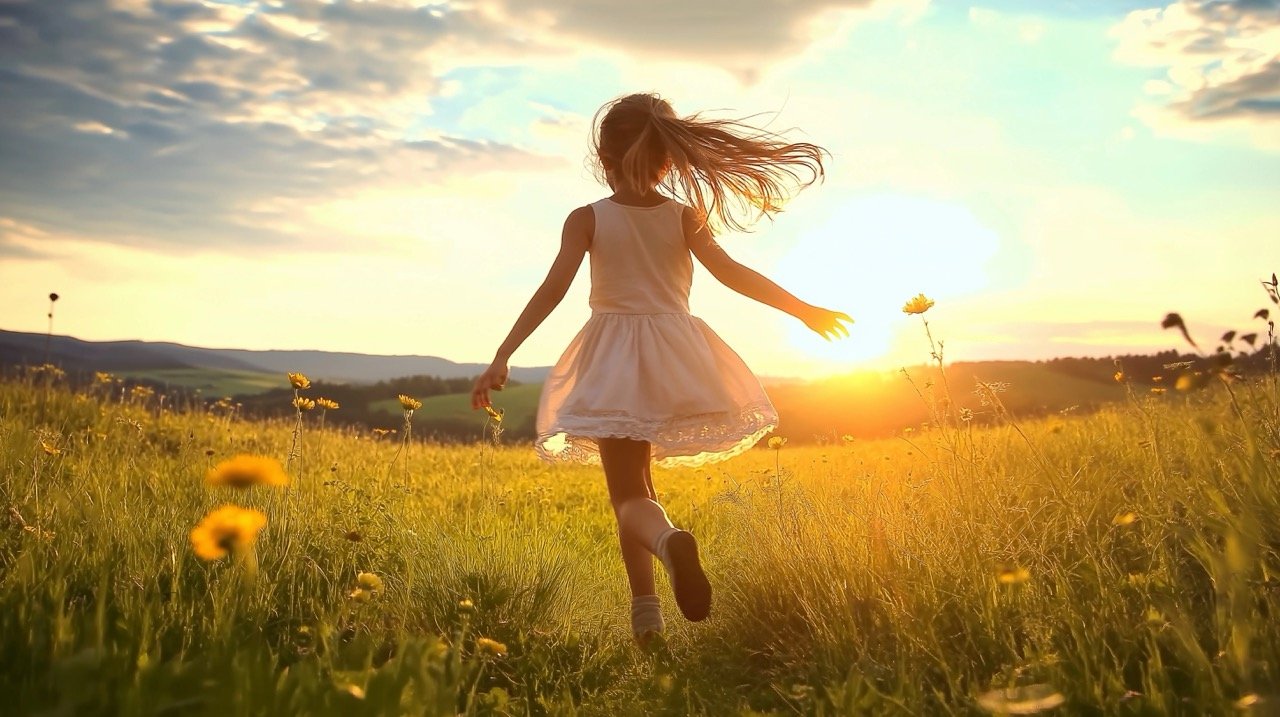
(1124, 562)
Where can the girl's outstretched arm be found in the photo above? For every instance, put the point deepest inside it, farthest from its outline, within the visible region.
(574, 241)
(754, 285)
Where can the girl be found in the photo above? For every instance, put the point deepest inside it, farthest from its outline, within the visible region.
(644, 380)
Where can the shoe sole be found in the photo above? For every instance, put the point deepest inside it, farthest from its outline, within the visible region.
(688, 582)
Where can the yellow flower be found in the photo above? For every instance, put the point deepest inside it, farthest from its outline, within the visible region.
(1119, 376)
(327, 403)
(1247, 701)
(1012, 574)
(409, 404)
(299, 381)
(777, 442)
(1125, 519)
(466, 607)
(1157, 379)
(490, 648)
(302, 403)
(226, 529)
(245, 470)
(1157, 390)
(1191, 381)
(496, 415)
(370, 582)
(102, 377)
(49, 448)
(918, 305)
(360, 595)
(847, 438)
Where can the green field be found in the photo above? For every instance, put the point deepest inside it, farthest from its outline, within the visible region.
(212, 383)
(519, 404)
(1126, 563)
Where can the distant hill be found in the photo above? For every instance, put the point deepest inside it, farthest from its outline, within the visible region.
(233, 371)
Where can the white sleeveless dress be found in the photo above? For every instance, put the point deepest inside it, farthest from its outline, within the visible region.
(643, 367)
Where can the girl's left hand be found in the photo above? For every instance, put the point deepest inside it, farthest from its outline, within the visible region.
(826, 322)
(493, 378)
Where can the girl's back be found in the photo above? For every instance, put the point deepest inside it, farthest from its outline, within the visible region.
(640, 263)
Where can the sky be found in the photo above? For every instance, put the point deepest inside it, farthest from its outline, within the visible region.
(391, 177)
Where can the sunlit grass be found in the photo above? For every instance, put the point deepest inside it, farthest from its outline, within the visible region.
(1124, 562)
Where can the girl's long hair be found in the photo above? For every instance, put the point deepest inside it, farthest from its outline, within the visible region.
(731, 173)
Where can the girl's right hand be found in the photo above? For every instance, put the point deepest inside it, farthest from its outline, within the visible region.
(493, 378)
(825, 321)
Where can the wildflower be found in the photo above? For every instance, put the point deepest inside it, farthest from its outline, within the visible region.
(327, 403)
(244, 471)
(370, 582)
(466, 607)
(777, 442)
(1119, 376)
(1157, 390)
(1125, 519)
(1191, 381)
(49, 448)
(918, 305)
(380, 432)
(1011, 575)
(302, 403)
(847, 438)
(1157, 379)
(966, 414)
(226, 529)
(409, 404)
(1247, 701)
(360, 595)
(490, 648)
(299, 381)
(102, 377)
(495, 415)
(1025, 700)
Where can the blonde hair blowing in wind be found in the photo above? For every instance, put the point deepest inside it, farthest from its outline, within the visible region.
(731, 173)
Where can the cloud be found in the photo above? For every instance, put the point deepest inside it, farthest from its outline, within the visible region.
(180, 125)
(742, 35)
(1222, 59)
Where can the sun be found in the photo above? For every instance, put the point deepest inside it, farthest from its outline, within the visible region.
(869, 256)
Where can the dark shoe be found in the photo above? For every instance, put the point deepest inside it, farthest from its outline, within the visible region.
(688, 582)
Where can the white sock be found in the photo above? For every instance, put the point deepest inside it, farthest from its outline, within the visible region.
(646, 615)
(660, 545)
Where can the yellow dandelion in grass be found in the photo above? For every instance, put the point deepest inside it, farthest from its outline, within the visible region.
(49, 448)
(847, 439)
(370, 582)
(299, 381)
(225, 530)
(1191, 381)
(466, 607)
(494, 414)
(360, 595)
(408, 403)
(1157, 390)
(102, 377)
(1124, 519)
(1119, 377)
(1157, 379)
(302, 403)
(1013, 574)
(490, 648)
(1246, 702)
(244, 471)
(777, 442)
(1025, 700)
(917, 305)
(327, 404)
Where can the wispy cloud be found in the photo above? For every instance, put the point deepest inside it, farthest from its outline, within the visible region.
(1222, 59)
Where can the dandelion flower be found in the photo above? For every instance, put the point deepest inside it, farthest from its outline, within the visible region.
(102, 377)
(495, 414)
(244, 471)
(302, 403)
(1191, 381)
(1247, 701)
(490, 648)
(370, 582)
(1119, 376)
(777, 442)
(466, 607)
(1125, 519)
(226, 529)
(1025, 700)
(299, 381)
(1157, 390)
(1012, 575)
(918, 305)
(360, 595)
(408, 403)
(847, 438)
(327, 403)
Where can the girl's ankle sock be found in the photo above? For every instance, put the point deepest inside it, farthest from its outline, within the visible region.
(660, 545)
(646, 615)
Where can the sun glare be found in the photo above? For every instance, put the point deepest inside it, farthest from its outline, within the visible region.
(874, 253)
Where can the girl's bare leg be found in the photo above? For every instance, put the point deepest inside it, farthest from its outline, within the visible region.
(642, 521)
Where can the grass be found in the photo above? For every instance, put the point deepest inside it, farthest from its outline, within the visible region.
(520, 403)
(1127, 562)
(212, 383)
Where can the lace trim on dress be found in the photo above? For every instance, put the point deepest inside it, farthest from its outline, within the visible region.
(690, 441)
